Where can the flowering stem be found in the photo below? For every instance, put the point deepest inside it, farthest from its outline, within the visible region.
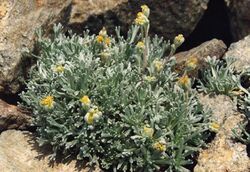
(146, 50)
(172, 51)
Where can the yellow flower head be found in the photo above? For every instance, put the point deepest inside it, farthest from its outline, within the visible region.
(99, 38)
(158, 64)
(160, 146)
(184, 81)
(141, 19)
(148, 131)
(150, 78)
(140, 45)
(145, 10)
(47, 102)
(107, 41)
(179, 39)
(192, 63)
(85, 101)
(92, 115)
(214, 126)
(59, 69)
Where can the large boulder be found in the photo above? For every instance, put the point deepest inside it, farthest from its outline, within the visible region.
(19, 20)
(20, 153)
(240, 17)
(241, 52)
(223, 153)
(168, 17)
(12, 117)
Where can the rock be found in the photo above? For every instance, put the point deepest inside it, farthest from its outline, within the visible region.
(241, 51)
(18, 23)
(168, 18)
(82, 10)
(26, 156)
(223, 154)
(239, 17)
(12, 117)
(221, 106)
(210, 48)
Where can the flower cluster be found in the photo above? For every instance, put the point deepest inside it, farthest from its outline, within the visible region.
(158, 64)
(85, 101)
(47, 102)
(103, 38)
(59, 68)
(192, 63)
(178, 40)
(160, 145)
(184, 81)
(92, 115)
(214, 126)
(142, 17)
(148, 131)
(140, 45)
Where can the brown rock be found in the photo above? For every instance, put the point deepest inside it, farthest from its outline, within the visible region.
(24, 156)
(240, 17)
(210, 48)
(223, 154)
(81, 10)
(168, 17)
(241, 51)
(12, 117)
(18, 21)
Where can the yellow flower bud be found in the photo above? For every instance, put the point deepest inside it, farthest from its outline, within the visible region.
(192, 63)
(160, 146)
(92, 115)
(107, 41)
(159, 65)
(178, 40)
(141, 19)
(150, 78)
(59, 69)
(99, 38)
(85, 101)
(184, 81)
(214, 126)
(47, 102)
(140, 45)
(145, 10)
(148, 131)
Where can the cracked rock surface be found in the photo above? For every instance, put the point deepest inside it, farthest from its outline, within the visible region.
(19, 20)
(223, 154)
(26, 156)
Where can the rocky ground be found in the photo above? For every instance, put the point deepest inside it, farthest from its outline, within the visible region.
(19, 21)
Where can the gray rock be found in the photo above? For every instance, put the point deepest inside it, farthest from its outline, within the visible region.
(223, 154)
(20, 153)
(239, 17)
(18, 21)
(241, 52)
(168, 18)
(12, 117)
